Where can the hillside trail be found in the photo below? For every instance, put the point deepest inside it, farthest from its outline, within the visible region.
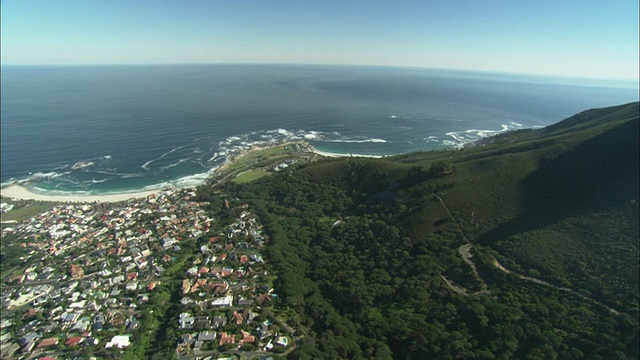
(465, 253)
(500, 267)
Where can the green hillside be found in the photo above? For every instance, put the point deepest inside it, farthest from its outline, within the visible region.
(523, 246)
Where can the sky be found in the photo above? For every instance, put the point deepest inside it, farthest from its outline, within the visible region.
(583, 38)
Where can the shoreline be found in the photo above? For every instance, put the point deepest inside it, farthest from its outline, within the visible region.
(335, 155)
(23, 192)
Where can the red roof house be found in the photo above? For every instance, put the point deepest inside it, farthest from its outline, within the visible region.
(132, 276)
(48, 342)
(225, 338)
(239, 318)
(247, 338)
(73, 341)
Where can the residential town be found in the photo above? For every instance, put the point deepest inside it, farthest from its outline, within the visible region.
(98, 280)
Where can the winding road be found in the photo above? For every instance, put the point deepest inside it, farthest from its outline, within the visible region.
(465, 253)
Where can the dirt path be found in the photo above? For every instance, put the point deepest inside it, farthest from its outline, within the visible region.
(457, 289)
(463, 291)
(433, 191)
(500, 267)
(465, 253)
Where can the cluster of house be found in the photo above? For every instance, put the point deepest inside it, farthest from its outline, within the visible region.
(262, 338)
(5, 207)
(284, 164)
(224, 289)
(89, 267)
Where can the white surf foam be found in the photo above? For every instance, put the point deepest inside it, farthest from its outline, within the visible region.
(157, 186)
(332, 154)
(461, 138)
(431, 139)
(40, 176)
(146, 165)
(209, 155)
(62, 167)
(358, 141)
(191, 180)
(119, 174)
(174, 164)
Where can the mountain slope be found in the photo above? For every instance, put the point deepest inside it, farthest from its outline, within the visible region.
(565, 207)
(372, 254)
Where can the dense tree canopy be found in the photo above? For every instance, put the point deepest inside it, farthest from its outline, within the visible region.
(369, 252)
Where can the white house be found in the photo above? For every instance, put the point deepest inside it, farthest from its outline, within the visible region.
(120, 341)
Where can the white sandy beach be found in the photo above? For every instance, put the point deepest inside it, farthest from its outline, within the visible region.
(20, 192)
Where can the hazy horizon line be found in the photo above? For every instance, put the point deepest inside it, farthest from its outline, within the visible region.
(635, 81)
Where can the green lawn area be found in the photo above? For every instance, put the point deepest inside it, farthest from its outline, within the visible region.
(28, 211)
(250, 176)
(266, 153)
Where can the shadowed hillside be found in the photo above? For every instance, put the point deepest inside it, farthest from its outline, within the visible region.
(523, 246)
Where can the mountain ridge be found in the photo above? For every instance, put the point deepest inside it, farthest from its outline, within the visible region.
(428, 254)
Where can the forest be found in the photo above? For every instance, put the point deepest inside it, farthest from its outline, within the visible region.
(368, 251)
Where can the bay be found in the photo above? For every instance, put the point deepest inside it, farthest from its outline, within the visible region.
(105, 129)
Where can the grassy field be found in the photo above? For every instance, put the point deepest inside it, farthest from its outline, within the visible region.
(250, 176)
(27, 211)
(258, 163)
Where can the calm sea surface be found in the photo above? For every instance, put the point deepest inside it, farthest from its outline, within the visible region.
(141, 127)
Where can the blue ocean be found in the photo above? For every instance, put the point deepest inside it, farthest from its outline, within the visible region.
(109, 129)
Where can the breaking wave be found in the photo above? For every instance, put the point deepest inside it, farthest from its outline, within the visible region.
(189, 164)
(461, 138)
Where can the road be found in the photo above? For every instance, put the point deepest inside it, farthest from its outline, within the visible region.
(465, 252)
(55, 283)
(500, 267)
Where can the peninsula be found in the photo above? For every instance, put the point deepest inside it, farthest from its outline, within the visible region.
(246, 165)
